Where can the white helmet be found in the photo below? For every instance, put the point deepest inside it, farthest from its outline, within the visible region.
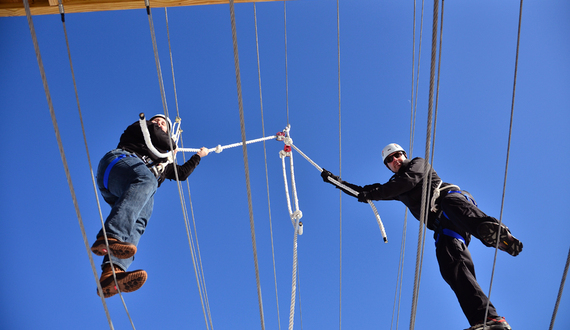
(163, 117)
(390, 149)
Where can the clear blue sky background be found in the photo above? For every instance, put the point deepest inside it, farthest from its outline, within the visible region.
(46, 281)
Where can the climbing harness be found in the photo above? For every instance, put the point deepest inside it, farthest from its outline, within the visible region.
(110, 166)
(450, 233)
(437, 193)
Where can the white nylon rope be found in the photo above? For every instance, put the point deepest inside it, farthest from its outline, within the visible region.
(220, 148)
(355, 193)
(294, 275)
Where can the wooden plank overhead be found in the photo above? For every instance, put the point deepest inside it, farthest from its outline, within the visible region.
(46, 7)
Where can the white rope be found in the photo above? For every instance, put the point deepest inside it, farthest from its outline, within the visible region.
(287, 194)
(353, 192)
(297, 214)
(294, 280)
(148, 141)
(220, 148)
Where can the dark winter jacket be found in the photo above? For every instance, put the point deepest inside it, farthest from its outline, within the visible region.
(404, 186)
(132, 140)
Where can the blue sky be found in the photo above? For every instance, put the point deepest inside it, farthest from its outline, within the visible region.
(47, 281)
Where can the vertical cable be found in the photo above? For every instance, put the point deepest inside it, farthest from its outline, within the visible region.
(427, 172)
(62, 152)
(339, 163)
(245, 160)
(507, 160)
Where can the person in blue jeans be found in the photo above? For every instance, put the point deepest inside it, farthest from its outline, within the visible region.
(454, 217)
(128, 178)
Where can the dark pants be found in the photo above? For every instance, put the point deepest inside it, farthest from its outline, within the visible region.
(461, 215)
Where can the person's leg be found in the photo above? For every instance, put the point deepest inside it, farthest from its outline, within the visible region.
(463, 213)
(139, 229)
(456, 267)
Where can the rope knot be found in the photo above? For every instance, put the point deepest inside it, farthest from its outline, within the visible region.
(218, 149)
(297, 215)
(285, 153)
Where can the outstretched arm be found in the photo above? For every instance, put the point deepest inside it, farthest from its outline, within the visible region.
(348, 188)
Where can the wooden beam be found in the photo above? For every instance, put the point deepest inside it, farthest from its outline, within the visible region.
(47, 7)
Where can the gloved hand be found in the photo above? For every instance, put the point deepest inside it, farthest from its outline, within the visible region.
(326, 174)
(363, 197)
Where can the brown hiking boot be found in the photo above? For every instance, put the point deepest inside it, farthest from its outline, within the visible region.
(128, 281)
(121, 250)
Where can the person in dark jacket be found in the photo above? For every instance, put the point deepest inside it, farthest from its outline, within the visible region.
(128, 177)
(454, 217)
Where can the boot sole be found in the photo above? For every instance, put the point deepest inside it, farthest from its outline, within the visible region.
(507, 242)
(128, 282)
(118, 249)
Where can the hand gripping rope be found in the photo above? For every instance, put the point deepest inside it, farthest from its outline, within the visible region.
(286, 152)
(289, 143)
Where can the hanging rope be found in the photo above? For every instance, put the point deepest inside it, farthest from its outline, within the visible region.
(64, 160)
(413, 112)
(286, 68)
(60, 146)
(91, 171)
(353, 192)
(339, 168)
(266, 171)
(193, 242)
(427, 173)
(245, 160)
(507, 160)
(560, 291)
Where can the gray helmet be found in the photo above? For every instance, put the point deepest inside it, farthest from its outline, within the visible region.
(390, 149)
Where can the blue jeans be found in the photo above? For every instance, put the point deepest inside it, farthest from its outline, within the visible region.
(128, 188)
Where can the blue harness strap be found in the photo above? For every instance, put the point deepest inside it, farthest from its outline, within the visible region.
(109, 167)
(450, 233)
(467, 196)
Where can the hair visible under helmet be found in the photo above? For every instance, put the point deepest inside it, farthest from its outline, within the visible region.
(390, 149)
(165, 118)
